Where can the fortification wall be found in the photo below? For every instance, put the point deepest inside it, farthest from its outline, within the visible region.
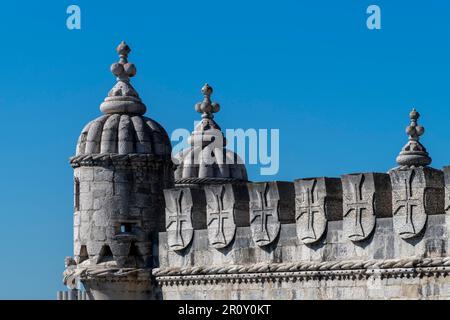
(361, 236)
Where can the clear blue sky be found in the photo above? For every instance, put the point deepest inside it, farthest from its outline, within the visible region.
(339, 93)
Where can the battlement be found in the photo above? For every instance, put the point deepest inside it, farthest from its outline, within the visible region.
(357, 216)
(315, 227)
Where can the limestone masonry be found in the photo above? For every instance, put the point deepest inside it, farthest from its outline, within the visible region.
(147, 226)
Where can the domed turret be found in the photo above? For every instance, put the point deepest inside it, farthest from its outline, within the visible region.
(207, 160)
(122, 164)
(123, 129)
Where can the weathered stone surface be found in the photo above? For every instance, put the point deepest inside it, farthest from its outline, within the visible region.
(318, 200)
(447, 188)
(365, 197)
(181, 216)
(333, 289)
(417, 193)
(270, 204)
(220, 239)
(224, 207)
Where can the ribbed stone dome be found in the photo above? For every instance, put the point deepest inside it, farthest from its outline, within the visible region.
(124, 134)
(123, 129)
(207, 160)
(223, 166)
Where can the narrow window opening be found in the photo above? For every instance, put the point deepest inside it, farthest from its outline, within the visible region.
(77, 195)
(126, 227)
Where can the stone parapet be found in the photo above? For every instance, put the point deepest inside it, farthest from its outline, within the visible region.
(318, 217)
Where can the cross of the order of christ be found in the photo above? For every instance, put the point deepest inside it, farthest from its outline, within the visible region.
(220, 214)
(262, 214)
(358, 206)
(309, 206)
(179, 216)
(407, 205)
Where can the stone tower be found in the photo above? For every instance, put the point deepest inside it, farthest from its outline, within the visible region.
(122, 164)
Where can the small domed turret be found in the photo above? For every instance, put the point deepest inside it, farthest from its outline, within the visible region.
(207, 160)
(123, 129)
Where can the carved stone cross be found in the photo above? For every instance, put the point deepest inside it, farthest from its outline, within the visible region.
(408, 203)
(308, 205)
(219, 213)
(409, 191)
(264, 215)
(317, 201)
(357, 207)
(178, 218)
(359, 215)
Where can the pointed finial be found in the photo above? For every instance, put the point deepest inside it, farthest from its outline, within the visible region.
(207, 130)
(206, 107)
(122, 69)
(123, 98)
(414, 130)
(414, 153)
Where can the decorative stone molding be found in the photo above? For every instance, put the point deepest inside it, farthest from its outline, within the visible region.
(318, 201)
(417, 192)
(304, 271)
(207, 181)
(366, 196)
(122, 160)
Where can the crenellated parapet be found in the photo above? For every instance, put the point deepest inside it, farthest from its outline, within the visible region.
(357, 207)
(360, 225)
(357, 227)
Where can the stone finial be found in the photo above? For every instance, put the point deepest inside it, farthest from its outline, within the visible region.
(123, 70)
(207, 130)
(206, 107)
(123, 98)
(414, 153)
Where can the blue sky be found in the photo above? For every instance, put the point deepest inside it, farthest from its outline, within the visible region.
(339, 93)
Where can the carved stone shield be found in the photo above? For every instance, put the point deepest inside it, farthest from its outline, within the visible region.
(408, 203)
(359, 212)
(310, 215)
(179, 218)
(264, 215)
(220, 215)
